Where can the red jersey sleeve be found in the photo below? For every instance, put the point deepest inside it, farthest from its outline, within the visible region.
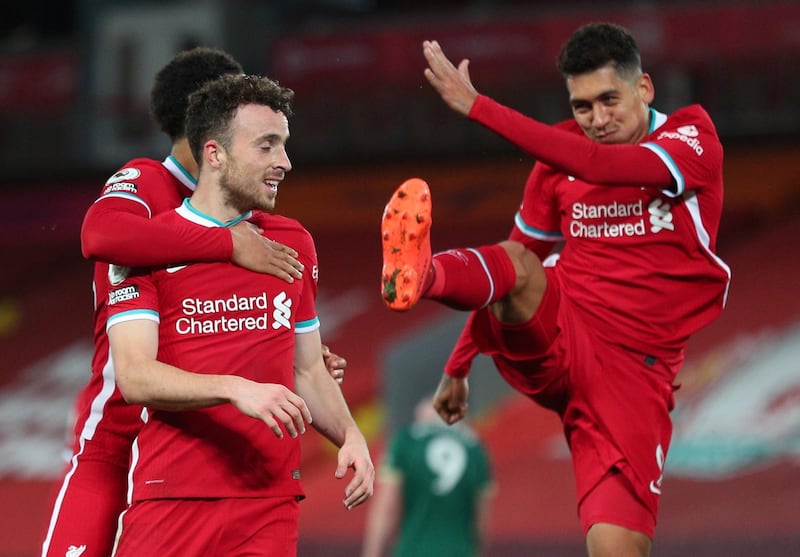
(689, 147)
(123, 227)
(459, 363)
(574, 154)
(132, 296)
(116, 232)
(537, 223)
(308, 257)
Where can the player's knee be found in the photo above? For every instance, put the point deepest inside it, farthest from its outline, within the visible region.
(530, 276)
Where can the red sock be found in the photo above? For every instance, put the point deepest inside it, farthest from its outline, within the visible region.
(470, 278)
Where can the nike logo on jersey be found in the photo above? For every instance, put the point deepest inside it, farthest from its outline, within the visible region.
(175, 268)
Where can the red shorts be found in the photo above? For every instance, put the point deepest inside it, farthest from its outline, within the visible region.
(613, 501)
(90, 499)
(614, 403)
(255, 527)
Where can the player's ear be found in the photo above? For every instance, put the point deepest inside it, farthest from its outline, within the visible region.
(647, 91)
(214, 153)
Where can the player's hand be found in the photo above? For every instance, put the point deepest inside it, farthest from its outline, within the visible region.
(450, 399)
(273, 404)
(453, 84)
(355, 454)
(253, 251)
(334, 363)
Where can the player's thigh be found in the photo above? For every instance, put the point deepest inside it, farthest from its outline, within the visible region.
(611, 540)
(531, 281)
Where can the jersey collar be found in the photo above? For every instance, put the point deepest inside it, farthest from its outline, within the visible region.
(181, 174)
(657, 120)
(193, 215)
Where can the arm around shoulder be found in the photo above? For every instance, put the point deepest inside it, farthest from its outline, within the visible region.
(122, 233)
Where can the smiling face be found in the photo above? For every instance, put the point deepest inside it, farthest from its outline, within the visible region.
(609, 108)
(256, 161)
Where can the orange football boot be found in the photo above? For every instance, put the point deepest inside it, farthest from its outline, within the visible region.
(405, 230)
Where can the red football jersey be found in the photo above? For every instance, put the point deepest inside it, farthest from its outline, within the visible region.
(147, 187)
(639, 262)
(220, 318)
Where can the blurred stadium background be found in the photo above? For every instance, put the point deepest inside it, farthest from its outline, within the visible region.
(74, 77)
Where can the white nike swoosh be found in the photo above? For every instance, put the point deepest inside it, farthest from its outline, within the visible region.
(654, 489)
(175, 268)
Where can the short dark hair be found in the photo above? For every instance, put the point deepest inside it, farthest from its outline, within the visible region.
(213, 106)
(596, 45)
(184, 74)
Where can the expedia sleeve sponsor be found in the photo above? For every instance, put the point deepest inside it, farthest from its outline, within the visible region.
(691, 140)
(123, 294)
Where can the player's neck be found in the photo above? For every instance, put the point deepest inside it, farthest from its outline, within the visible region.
(210, 199)
(183, 154)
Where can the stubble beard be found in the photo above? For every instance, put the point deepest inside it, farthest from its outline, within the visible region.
(243, 198)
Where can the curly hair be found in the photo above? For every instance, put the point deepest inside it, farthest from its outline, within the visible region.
(213, 106)
(596, 45)
(184, 74)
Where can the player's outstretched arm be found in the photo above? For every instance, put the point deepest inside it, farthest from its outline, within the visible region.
(121, 232)
(459, 363)
(332, 418)
(453, 84)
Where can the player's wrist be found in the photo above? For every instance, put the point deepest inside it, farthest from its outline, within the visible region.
(230, 387)
(457, 372)
(353, 436)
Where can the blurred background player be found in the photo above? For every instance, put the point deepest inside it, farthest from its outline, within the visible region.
(433, 493)
(119, 228)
